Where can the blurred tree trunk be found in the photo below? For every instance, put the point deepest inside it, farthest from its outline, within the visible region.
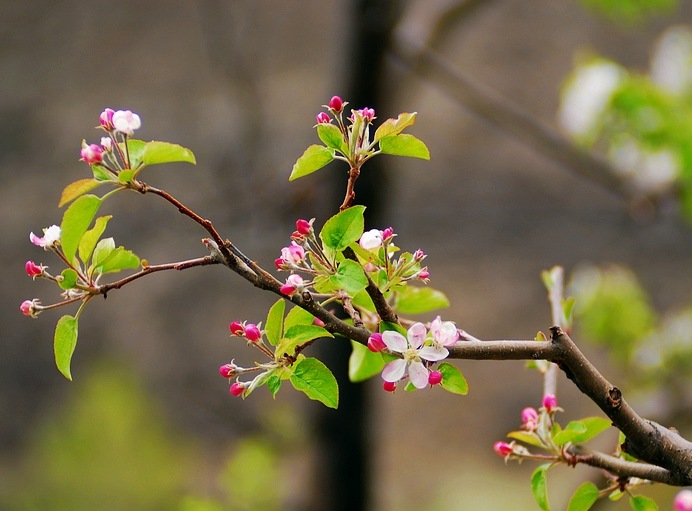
(344, 446)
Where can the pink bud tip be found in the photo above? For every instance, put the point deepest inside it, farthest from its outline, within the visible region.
(303, 227)
(106, 119)
(237, 328)
(368, 114)
(279, 263)
(683, 501)
(252, 332)
(424, 275)
(318, 322)
(376, 343)
(227, 370)
(387, 233)
(434, 377)
(92, 154)
(336, 104)
(237, 389)
(389, 386)
(287, 289)
(33, 269)
(323, 118)
(27, 307)
(529, 415)
(549, 402)
(502, 448)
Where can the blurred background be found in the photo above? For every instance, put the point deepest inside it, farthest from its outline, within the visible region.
(147, 423)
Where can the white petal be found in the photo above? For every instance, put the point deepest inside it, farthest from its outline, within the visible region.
(394, 371)
(418, 375)
(432, 353)
(394, 341)
(449, 334)
(416, 335)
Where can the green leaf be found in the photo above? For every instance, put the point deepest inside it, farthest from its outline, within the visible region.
(75, 222)
(91, 237)
(119, 259)
(572, 430)
(103, 250)
(452, 379)
(363, 363)
(317, 382)
(299, 334)
(135, 150)
(274, 326)
(584, 497)
(349, 277)
(76, 189)
(594, 427)
(332, 137)
(298, 316)
(343, 228)
(642, 503)
(156, 152)
(395, 126)
(539, 487)
(64, 343)
(274, 384)
(314, 158)
(404, 145)
(417, 300)
(69, 278)
(526, 437)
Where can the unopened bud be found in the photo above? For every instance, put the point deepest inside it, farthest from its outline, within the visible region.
(252, 332)
(237, 328)
(376, 343)
(549, 403)
(323, 118)
(503, 449)
(336, 104)
(237, 389)
(434, 377)
(389, 386)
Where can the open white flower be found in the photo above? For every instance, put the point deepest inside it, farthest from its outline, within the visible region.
(414, 352)
(50, 236)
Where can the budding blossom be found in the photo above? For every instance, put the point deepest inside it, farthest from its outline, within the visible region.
(228, 370)
(375, 342)
(252, 332)
(51, 235)
(30, 307)
(293, 283)
(503, 449)
(91, 154)
(529, 418)
(237, 328)
(434, 377)
(444, 333)
(292, 255)
(126, 122)
(107, 144)
(413, 351)
(33, 270)
(303, 227)
(549, 403)
(237, 388)
(371, 239)
(323, 118)
(336, 104)
(106, 119)
(389, 386)
(683, 501)
(367, 113)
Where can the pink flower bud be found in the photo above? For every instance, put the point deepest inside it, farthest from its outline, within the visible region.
(424, 274)
(387, 233)
(293, 254)
(549, 403)
(503, 449)
(252, 333)
(237, 389)
(323, 118)
(237, 328)
(33, 269)
(29, 307)
(106, 119)
(126, 122)
(293, 283)
(367, 113)
(279, 263)
(529, 418)
(419, 255)
(434, 377)
(318, 322)
(336, 104)
(228, 370)
(91, 154)
(107, 144)
(51, 235)
(376, 343)
(389, 386)
(683, 501)
(303, 227)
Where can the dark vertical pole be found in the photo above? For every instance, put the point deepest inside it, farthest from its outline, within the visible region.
(344, 433)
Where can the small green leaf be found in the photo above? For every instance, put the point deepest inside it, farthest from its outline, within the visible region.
(332, 137)
(127, 175)
(571, 431)
(101, 174)
(156, 152)
(404, 145)
(103, 250)
(274, 326)
(417, 300)
(77, 189)
(317, 382)
(297, 335)
(594, 426)
(395, 126)
(69, 278)
(642, 503)
(274, 384)
(349, 277)
(452, 379)
(119, 259)
(91, 237)
(539, 487)
(363, 363)
(526, 437)
(64, 343)
(583, 498)
(75, 222)
(343, 228)
(298, 316)
(314, 158)
(135, 150)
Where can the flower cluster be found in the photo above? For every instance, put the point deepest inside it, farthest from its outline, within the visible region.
(111, 155)
(418, 351)
(49, 241)
(378, 255)
(294, 257)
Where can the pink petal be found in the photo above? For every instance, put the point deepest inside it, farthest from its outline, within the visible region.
(394, 371)
(416, 335)
(418, 375)
(394, 341)
(432, 353)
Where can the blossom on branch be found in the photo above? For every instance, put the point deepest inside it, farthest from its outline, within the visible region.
(51, 235)
(126, 122)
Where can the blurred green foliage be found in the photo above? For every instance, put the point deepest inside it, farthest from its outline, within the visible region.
(629, 10)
